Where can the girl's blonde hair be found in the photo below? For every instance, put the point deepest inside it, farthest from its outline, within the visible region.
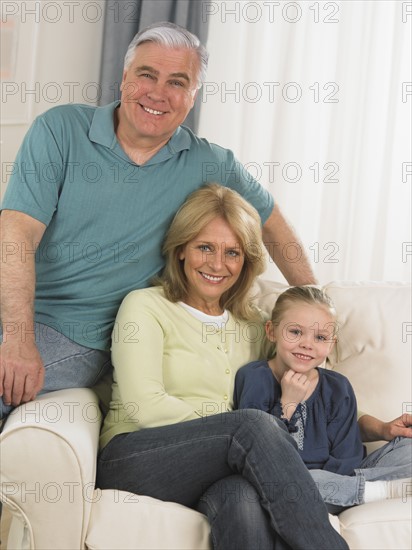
(201, 207)
(306, 294)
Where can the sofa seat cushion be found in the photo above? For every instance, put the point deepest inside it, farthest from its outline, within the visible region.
(144, 523)
(378, 525)
(124, 520)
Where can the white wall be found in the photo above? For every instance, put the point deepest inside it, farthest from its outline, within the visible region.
(50, 56)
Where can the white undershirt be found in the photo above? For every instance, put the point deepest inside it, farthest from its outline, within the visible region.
(218, 320)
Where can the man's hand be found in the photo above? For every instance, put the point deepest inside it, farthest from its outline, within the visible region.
(21, 372)
(294, 387)
(401, 426)
(21, 367)
(374, 429)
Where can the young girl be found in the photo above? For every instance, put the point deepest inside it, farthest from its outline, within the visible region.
(318, 406)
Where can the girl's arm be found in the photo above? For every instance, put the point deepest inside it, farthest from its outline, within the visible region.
(257, 388)
(345, 446)
(254, 387)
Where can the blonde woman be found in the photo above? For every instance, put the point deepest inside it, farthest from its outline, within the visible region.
(171, 432)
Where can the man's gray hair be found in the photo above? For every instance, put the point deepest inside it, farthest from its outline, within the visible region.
(172, 36)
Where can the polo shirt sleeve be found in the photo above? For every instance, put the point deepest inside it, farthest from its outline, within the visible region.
(137, 356)
(245, 184)
(36, 177)
(230, 172)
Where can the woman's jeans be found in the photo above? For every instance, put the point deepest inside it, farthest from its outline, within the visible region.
(241, 464)
(392, 461)
(67, 364)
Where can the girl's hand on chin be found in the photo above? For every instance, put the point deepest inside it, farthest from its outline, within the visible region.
(294, 386)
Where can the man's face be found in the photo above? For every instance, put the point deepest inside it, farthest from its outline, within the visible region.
(158, 90)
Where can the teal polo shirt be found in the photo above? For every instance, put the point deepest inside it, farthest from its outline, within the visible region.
(106, 216)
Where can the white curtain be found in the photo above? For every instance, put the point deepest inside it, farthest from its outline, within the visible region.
(315, 99)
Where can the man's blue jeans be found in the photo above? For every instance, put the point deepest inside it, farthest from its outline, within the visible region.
(392, 461)
(67, 364)
(272, 499)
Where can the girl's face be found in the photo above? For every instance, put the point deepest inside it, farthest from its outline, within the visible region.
(304, 337)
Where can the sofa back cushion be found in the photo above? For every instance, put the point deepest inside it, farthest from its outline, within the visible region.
(374, 344)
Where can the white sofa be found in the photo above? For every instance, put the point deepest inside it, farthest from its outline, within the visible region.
(49, 447)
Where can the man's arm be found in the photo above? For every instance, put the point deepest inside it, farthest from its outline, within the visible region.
(21, 371)
(286, 250)
(373, 429)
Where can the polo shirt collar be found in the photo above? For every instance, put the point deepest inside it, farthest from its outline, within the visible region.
(102, 132)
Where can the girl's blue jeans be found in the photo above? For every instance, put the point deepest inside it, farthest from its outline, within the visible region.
(392, 461)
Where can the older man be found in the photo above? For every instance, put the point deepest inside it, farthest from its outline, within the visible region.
(85, 213)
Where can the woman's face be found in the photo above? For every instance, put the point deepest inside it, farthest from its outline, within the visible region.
(213, 262)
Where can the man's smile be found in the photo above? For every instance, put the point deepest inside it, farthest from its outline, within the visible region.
(152, 111)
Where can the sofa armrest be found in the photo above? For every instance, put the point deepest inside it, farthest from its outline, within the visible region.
(48, 468)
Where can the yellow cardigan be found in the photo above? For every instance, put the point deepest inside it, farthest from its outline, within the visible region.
(170, 367)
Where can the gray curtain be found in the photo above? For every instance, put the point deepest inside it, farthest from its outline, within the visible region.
(124, 18)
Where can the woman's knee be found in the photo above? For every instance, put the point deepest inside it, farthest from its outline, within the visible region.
(260, 424)
(262, 419)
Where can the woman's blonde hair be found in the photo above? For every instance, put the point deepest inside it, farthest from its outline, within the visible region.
(200, 208)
